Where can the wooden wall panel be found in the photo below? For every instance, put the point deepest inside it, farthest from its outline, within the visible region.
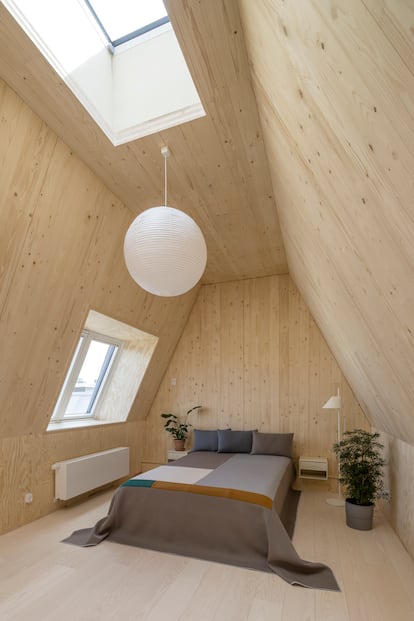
(217, 172)
(395, 19)
(228, 336)
(65, 257)
(61, 254)
(26, 461)
(399, 477)
(335, 88)
(339, 136)
(252, 355)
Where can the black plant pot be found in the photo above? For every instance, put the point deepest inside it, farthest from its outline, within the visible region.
(358, 516)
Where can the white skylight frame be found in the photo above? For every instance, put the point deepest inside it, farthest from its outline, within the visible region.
(145, 106)
(147, 16)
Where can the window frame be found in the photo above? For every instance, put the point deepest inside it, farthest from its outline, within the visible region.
(129, 36)
(107, 369)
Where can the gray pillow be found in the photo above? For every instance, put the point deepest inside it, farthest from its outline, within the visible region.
(205, 440)
(272, 444)
(234, 441)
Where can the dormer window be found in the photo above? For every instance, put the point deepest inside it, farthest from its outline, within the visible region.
(88, 374)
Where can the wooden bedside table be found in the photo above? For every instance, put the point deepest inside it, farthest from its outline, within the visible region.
(173, 455)
(313, 468)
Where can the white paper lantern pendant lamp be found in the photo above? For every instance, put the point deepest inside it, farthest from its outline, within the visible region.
(164, 249)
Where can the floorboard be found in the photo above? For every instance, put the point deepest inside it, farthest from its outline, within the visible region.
(43, 579)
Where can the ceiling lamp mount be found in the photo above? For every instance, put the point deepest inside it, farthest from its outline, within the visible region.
(164, 249)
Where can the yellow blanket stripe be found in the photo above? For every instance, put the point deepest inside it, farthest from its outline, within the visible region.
(222, 492)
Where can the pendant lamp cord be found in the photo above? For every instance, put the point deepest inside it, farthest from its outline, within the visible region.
(165, 181)
(165, 152)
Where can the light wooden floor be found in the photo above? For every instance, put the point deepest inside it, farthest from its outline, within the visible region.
(42, 579)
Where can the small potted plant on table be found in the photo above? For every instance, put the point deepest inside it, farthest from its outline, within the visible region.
(361, 474)
(178, 429)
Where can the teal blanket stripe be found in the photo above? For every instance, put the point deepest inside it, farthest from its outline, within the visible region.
(138, 483)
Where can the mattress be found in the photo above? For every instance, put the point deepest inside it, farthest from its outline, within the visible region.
(223, 507)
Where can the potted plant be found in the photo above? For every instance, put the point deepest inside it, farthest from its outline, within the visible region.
(177, 428)
(361, 473)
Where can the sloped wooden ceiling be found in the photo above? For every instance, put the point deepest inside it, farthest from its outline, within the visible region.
(333, 82)
(335, 89)
(218, 171)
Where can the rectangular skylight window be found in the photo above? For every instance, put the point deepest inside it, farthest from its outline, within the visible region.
(131, 90)
(124, 20)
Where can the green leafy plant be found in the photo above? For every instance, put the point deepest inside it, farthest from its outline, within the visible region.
(177, 428)
(361, 465)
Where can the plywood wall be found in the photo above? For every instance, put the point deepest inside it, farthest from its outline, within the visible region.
(61, 254)
(25, 466)
(252, 355)
(398, 480)
(217, 172)
(334, 83)
(61, 245)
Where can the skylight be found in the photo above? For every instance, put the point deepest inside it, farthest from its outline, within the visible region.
(124, 20)
(130, 90)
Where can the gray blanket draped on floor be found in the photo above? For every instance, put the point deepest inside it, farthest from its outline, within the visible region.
(212, 528)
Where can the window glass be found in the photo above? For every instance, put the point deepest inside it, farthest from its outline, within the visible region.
(89, 371)
(90, 379)
(128, 17)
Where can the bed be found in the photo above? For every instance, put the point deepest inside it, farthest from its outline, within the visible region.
(224, 506)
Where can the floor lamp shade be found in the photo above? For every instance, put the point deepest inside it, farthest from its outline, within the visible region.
(333, 403)
(165, 251)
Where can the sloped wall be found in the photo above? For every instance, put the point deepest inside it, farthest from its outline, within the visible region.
(335, 90)
(61, 241)
(252, 355)
(26, 460)
(399, 477)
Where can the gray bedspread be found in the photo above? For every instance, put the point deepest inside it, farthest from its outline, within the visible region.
(192, 520)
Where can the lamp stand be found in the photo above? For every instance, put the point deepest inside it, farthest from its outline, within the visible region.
(335, 403)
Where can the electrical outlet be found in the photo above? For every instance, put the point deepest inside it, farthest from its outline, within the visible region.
(28, 498)
(173, 381)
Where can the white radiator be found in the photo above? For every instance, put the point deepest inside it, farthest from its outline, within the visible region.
(79, 475)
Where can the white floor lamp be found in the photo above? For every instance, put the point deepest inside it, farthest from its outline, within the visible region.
(334, 403)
